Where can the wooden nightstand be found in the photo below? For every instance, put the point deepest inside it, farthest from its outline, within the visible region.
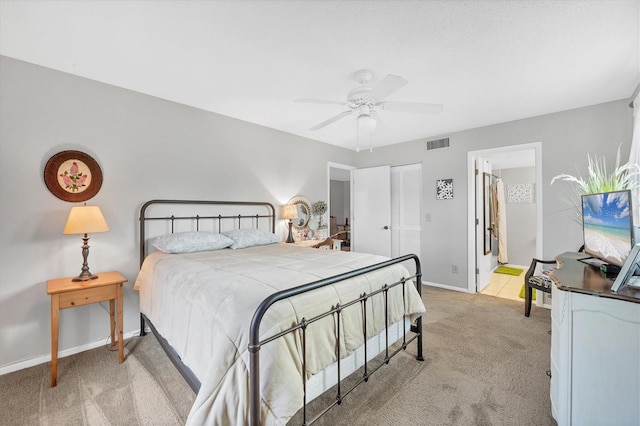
(68, 294)
(310, 243)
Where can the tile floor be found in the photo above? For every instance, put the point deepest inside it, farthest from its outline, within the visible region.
(505, 286)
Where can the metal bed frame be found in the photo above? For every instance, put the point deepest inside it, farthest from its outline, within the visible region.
(255, 343)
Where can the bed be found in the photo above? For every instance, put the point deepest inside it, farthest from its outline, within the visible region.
(259, 328)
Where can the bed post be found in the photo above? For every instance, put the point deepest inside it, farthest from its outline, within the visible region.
(254, 385)
(143, 332)
(418, 330)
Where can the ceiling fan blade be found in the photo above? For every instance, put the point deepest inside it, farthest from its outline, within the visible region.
(319, 101)
(416, 107)
(387, 86)
(331, 120)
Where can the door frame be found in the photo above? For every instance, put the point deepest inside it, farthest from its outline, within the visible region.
(471, 204)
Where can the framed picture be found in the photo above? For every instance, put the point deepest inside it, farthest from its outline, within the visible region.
(73, 176)
(520, 193)
(627, 275)
(444, 189)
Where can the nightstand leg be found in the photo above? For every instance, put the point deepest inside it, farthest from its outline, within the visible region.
(112, 319)
(55, 310)
(120, 325)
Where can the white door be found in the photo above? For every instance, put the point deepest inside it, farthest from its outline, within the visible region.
(406, 202)
(484, 240)
(370, 225)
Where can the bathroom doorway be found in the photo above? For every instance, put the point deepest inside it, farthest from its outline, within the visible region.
(519, 161)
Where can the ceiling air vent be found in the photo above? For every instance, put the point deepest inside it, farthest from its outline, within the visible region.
(438, 143)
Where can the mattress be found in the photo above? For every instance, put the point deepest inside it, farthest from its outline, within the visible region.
(202, 304)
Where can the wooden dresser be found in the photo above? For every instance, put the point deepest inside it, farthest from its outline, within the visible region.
(595, 347)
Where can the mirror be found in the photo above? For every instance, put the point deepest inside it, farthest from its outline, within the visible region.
(304, 212)
(486, 188)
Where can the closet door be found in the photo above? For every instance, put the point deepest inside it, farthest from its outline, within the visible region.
(406, 195)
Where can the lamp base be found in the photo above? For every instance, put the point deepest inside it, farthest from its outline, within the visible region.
(85, 275)
(290, 236)
(82, 277)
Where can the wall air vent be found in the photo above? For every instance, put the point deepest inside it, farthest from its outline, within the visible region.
(438, 143)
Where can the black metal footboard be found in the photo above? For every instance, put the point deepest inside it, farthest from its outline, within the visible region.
(255, 343)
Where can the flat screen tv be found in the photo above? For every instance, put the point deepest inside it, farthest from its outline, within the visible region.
(607, 222)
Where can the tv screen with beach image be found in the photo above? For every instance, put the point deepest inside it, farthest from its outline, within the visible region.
(608, 226)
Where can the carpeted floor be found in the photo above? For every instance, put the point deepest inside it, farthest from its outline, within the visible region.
(485, 365)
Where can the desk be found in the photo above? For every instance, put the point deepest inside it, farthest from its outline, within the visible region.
(578, 277)
(66, 293)
(595, 344)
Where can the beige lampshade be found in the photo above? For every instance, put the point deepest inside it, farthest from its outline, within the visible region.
(289, 211)
(85, 220)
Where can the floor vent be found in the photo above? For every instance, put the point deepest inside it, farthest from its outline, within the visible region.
(438, 143)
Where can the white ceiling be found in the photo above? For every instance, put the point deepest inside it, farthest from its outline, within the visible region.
(486, 61)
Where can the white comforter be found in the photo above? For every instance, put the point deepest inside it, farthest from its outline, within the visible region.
(202, 303)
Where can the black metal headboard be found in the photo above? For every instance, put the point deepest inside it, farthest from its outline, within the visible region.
(217, 215)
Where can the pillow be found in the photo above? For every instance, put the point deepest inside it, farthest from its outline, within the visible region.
(243, 238)
(189, 242)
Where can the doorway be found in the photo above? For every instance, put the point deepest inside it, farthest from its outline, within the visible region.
(525, 155)
(339, 204)
(395, 195)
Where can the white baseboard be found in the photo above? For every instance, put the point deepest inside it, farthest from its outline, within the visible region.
(446, 287)
(20, 365)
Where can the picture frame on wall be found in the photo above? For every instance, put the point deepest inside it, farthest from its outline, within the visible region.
(73, 176)
(444, 189)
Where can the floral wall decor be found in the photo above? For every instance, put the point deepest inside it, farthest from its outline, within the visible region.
(520, 193)
(444, 189)
(73, 176)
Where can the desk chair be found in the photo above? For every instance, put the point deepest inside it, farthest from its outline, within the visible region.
(539, 282)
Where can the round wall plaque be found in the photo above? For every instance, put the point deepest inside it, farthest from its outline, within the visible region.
(73, 176)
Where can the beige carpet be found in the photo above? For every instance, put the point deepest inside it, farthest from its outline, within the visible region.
(485, 365)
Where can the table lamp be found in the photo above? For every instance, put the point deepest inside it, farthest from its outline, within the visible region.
(85, 220)
(289, 212)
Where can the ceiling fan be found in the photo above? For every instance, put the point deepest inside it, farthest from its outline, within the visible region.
(365, 100)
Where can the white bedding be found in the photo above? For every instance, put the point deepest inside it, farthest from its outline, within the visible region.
(202, 303)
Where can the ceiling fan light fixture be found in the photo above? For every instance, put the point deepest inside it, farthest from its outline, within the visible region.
(366, 121)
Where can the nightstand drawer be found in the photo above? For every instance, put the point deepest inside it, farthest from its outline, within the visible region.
(86, 296)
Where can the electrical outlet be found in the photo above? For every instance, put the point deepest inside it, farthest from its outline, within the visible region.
(454, 269)
(428, 217)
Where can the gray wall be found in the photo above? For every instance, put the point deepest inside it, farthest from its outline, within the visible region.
(147, 148)
(566, 139)
(521, 218)
(151, 148)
